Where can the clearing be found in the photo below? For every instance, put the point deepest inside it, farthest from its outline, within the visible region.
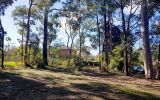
(58, 83)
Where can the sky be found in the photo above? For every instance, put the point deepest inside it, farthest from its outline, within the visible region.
(8, 22)
(11, 29)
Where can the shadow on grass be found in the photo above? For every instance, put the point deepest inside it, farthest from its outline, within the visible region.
(97, 74)
(85, 72)
(110, 92)
(14, 87)
(58, 69)
(62, 70)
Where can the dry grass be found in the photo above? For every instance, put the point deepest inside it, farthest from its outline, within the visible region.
(31, 84)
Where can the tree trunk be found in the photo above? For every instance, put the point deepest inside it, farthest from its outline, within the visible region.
(22, 48)
(68, 63)
(106, 36)
(104, 62)
(145, 38)
(159, 54)
(158, 64)
(70, 53)
(3, 50)
(29, 55)
(2, 45)
(28, 34)
(158, 73)
(109, 29)
(45, 38)
(125, 39)
(110, 35)
(69, 58)
(80, 46)
(99, 37)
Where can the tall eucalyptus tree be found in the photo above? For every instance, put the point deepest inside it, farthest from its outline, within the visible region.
(31, 4)
(20, 17)
(47, 7)
(145, 38)
(126, 27)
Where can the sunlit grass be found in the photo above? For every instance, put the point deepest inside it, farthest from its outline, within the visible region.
(99, 87)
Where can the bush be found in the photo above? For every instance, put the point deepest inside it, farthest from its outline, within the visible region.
(64, 63)
(13, 64)
(98, 58)
(59, 62)
(40, 63)
(136, 58)
(116, 59)
(72, 62)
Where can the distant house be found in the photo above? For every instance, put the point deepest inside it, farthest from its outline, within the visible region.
(64, 53)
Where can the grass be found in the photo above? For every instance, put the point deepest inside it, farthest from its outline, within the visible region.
(58, 83)
(140, 93)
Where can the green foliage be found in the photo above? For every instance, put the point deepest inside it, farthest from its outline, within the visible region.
(64, 63)
(141, 58)
(72, 62)
(40, 64)
(59, 62)
(19, 15)
(4, 4)
(19, 12)
(39, 59)
(136, 58)
(116, 59)
(98, 58)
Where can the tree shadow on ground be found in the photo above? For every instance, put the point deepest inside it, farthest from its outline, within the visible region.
(62, 70)
(84, 72)
(14, 87)
(105, 91)
(58, 69)
(112, 77)
(97, 74)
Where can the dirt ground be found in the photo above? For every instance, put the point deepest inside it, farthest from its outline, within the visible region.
(58, 83)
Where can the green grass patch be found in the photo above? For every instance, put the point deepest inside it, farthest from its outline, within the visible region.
(138, 93)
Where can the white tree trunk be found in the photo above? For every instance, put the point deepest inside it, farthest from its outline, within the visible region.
(148, 67)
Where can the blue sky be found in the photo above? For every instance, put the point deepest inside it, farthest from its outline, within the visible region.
(8, 23)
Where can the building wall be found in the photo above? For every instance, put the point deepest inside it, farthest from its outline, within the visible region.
(64, 53)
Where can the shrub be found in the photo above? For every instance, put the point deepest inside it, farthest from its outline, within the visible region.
(40, 63)
(116, 59)
(64, 63)
(136, 58)
(13, 64)
(72, 62)
(59, 62)
(98, 58)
